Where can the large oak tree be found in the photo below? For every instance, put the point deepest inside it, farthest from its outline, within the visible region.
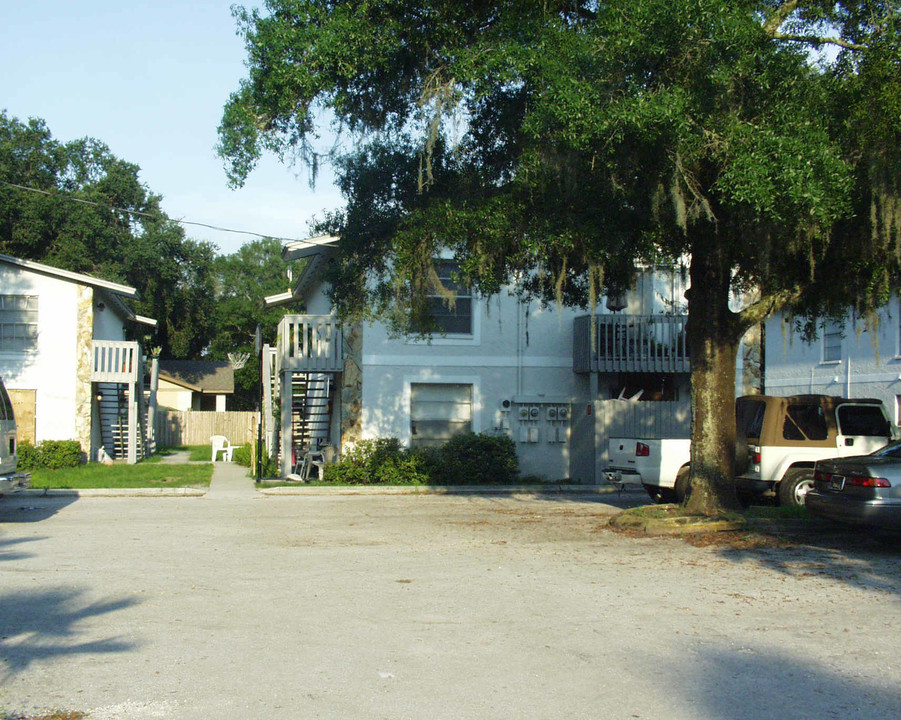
(77, 206)
(556, 144)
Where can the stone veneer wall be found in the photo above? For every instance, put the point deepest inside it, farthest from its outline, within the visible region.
(752, 365)
(352, 386)
(84, 398)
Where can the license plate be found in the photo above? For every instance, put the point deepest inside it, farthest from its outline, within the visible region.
(837, 483)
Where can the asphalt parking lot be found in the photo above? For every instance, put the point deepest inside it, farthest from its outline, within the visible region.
(423, 606)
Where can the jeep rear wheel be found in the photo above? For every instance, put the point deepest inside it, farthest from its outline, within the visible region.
(794, 487)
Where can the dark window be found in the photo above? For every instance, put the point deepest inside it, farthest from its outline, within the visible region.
(749, 417)
(451, 310)
(832, 342)
(805, 422)
(18, 323)
(862, 420)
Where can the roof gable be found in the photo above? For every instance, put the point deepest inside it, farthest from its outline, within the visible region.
(206, 376)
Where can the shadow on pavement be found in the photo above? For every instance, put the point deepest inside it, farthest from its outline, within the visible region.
(40, 624)
(755, 682)
(25, 508)
(859, 557)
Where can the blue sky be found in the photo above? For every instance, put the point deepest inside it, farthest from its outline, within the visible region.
(150, 80)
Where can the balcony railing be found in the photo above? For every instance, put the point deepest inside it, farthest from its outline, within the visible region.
(310, 343)
(115, 361)
(630, 343)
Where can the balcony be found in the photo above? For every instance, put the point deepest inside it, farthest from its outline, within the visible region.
(115, 361)
(310, 343)
(630, 343)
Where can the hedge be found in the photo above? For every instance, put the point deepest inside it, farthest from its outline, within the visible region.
(49, 455)
(467, 459)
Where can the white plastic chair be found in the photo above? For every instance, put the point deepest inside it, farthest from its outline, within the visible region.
(318, 459)
(221, 444)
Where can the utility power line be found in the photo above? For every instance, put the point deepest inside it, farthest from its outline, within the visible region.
(152, 216)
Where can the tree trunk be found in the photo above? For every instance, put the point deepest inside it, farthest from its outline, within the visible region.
(713, 338)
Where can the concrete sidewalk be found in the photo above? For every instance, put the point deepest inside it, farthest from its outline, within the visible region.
(231, 481)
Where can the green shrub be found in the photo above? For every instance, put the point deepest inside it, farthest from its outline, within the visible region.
(464, 460)
(28, 457)
(241, 455)
(472, 459)
(49, 455)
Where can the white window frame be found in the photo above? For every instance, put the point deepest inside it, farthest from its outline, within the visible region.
(430, 378)
(473, 337)
(19, 317)
(831, 329)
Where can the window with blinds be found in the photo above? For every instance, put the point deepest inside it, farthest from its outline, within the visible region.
(451, 317)
(18, 323)
(832, 342)
(438, 412)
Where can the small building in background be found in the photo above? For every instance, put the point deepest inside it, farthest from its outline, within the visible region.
(200, 385)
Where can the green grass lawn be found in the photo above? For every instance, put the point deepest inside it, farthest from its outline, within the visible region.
(196, 453)
(142, 475)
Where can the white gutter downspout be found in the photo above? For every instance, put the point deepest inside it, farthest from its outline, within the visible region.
(848, 380)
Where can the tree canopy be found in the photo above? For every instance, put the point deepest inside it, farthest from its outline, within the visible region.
(243, 280)
(76, 206)
(555, 145)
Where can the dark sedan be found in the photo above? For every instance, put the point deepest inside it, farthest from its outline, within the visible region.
(862, 490)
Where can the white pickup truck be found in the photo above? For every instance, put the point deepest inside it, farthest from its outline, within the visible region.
(650, 462)
(780, 440)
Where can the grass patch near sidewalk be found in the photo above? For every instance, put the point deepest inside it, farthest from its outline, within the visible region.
(196, 453)
(106, 477)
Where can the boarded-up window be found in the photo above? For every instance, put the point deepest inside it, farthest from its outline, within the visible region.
(438, 412)
(24, 403)
(18, 323)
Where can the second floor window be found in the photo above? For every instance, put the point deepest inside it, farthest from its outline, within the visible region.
(453, 316)
(832, 342)
(18, 323)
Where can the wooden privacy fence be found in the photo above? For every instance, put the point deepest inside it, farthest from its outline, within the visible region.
(176, 427)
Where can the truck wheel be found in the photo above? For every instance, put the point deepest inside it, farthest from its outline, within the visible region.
(661, 495)
(794, 486)
(683, 484)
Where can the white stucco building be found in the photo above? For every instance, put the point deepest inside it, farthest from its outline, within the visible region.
(850, 358)
(545, 376)
(64, 357)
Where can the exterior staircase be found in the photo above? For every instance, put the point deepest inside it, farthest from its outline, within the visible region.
(312, 396)
(112, 403)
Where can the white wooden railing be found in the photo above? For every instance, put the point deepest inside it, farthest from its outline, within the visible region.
(115, 361)
(310, 343)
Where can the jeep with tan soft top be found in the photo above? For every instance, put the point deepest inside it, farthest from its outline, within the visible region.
(779, 440)
(787, 435)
